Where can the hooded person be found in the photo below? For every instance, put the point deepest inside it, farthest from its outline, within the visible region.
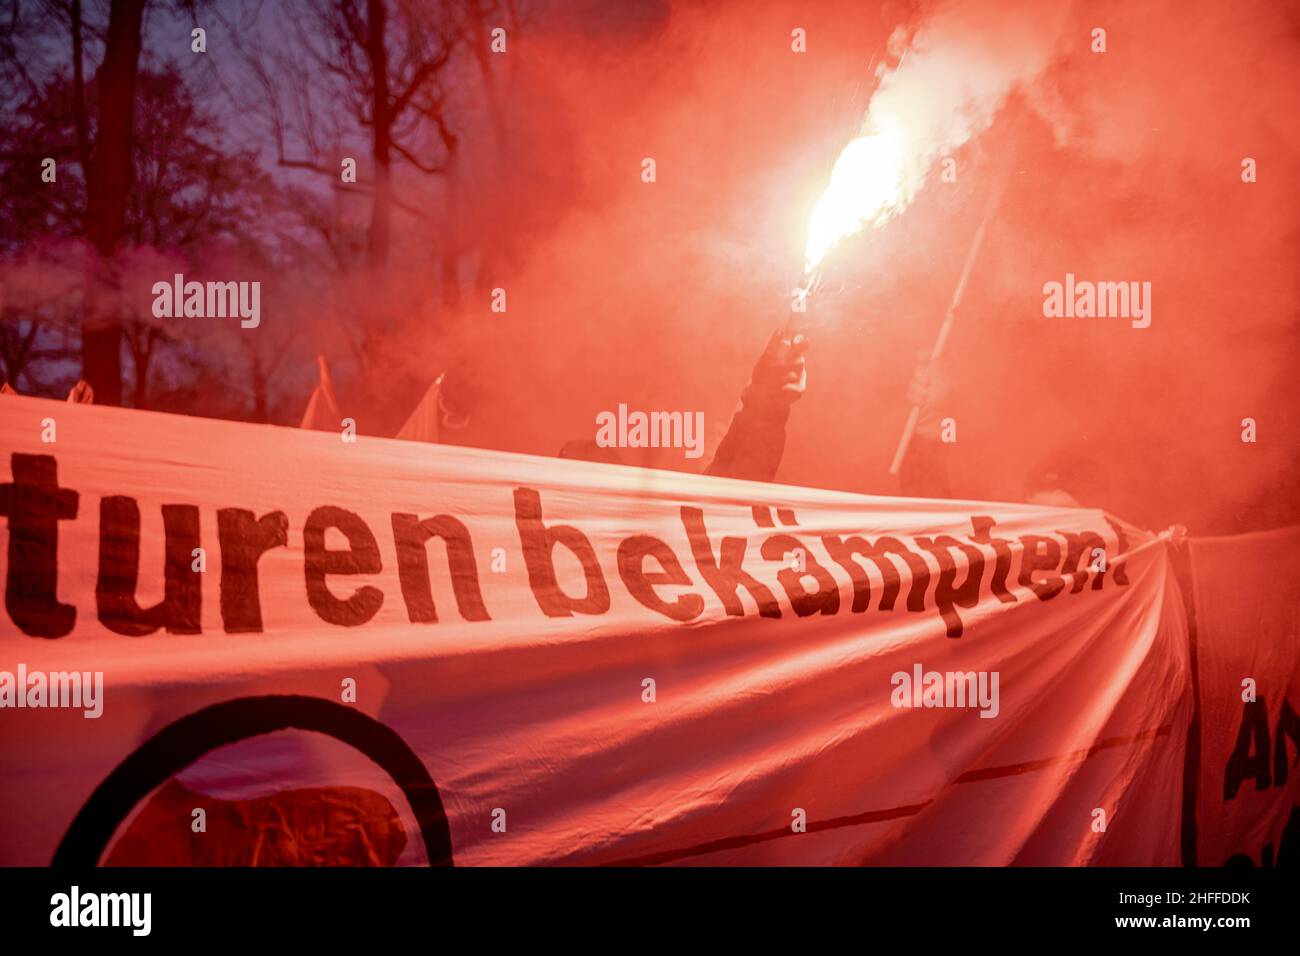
(925, 470)
(924, 473)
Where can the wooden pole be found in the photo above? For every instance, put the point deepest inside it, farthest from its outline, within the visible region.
(950, 316)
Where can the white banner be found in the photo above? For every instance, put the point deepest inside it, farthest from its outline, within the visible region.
(315, 650)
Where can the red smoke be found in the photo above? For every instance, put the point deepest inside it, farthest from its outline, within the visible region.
(1126, 167)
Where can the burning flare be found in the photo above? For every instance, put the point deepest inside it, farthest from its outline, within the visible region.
(866, 187)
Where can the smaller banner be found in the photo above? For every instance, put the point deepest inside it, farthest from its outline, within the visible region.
(1246, 603)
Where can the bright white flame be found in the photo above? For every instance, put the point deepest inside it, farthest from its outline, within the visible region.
(866, 187)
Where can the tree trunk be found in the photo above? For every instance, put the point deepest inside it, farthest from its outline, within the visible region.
(258, 376)
(141, 341)
(79, 92)
(451, 247)
(381, 109)
(108, 184)
(450, 279)
(495, 238)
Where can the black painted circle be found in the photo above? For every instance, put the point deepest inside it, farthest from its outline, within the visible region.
(181, 743)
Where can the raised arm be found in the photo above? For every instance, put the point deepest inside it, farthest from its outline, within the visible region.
(755, 441)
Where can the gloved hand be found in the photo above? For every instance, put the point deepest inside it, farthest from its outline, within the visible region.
(780, 376)
(754, 442)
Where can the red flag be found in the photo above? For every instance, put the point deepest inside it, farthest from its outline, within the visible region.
(322, 412)
(81, 393)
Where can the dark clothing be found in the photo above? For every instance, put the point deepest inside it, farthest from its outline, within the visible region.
(924, 472)
(755, 441)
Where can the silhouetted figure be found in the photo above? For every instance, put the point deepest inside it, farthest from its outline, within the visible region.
(924, 472)
(755, 440)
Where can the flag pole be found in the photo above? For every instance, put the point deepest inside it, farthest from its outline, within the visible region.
(905, 439)
(941, 340)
